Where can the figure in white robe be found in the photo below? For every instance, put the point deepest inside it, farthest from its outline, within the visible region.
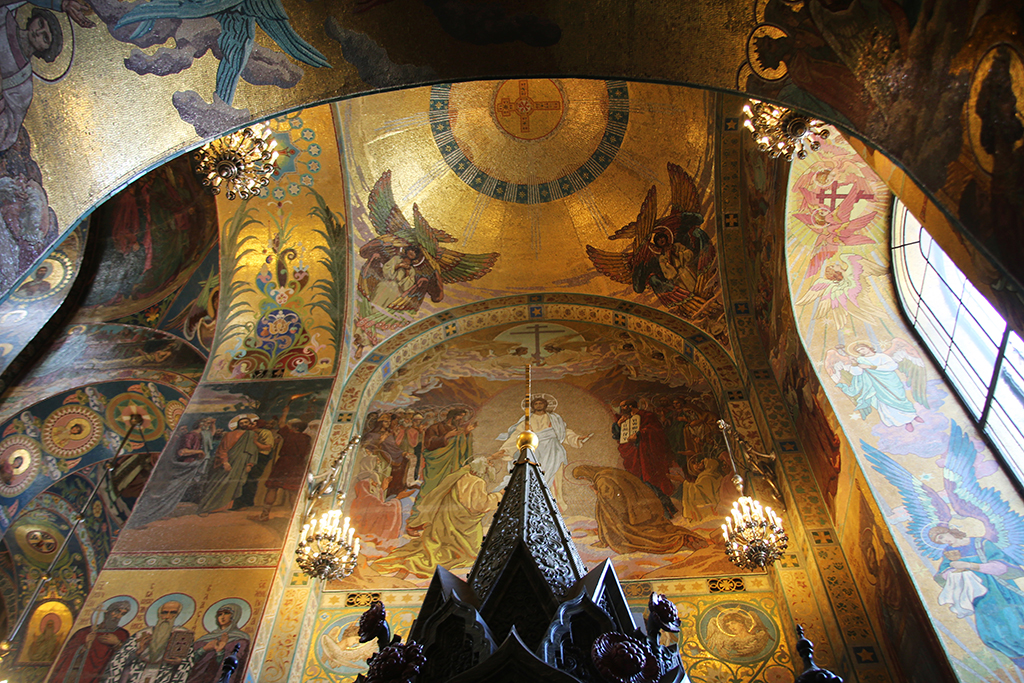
(552, 434)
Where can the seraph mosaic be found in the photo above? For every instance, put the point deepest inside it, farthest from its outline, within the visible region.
(404, 264)
(628, 446)
(670, 252)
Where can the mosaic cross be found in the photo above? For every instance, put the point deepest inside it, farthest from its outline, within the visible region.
(524, 106)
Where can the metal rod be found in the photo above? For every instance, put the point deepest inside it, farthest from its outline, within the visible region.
(6, 644)
(736, 478)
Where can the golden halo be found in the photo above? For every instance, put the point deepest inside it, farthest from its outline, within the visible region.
(552, 401)
(765, 72)
(1016, 69)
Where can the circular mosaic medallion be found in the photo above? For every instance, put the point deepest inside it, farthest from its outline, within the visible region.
(47, 279)
(529, 109)
(549, 140)
(19, 464)
(71, 431)
(738, 632)
(122, 408)
(37, 538)
(173, 412)
(43, 541)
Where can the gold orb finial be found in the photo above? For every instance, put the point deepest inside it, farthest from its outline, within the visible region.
(527, 439)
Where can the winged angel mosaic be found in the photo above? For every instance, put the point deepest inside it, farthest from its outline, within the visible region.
(977, 574)
(406, 263)
(671, 253)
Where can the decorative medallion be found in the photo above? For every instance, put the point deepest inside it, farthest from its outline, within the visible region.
(529, 109)
(738, 632)
(997, 80)
(550, 138)
(42, 540)
(71, 431)
(121, 408)
(19, 464)
(37, 536)
(173, 412)
(48, 278)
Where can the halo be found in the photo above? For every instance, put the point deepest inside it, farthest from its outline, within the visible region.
(767, 73)
(233, 422)
(552, 401)
(188, 608)
(210, 616)
(133, 609)
(69, 37)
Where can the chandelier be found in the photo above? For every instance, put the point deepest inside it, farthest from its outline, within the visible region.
(781, 131)
(243, 161)
(754, 537)
(328, 548)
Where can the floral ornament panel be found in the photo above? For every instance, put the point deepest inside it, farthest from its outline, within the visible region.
(279, 342)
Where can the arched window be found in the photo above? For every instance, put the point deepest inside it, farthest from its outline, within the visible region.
(969, 340)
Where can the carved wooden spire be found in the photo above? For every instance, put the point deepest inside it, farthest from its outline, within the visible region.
(527, 520)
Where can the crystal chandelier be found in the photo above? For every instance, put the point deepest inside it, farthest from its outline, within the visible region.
(242, 161)
(754, 537)
(781, 131)
(328, 548)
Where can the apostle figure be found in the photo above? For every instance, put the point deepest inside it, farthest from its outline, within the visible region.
(644, 450)
(551, 433)
(628, 515)
(89, 649)
(452, 536)
(176, 475)
(447, 446)
(156, 654)
(236, 455)
(286, 472)
(208, 652)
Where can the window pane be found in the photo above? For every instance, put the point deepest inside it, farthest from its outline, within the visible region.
(936, 338)
(947, 270)
(985, 315)
(905, 228)
(942, 302)
(916, 265)
(970, 388)
(1003, 430)
(979, 351)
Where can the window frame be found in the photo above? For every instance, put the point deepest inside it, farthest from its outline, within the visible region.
(941, 344)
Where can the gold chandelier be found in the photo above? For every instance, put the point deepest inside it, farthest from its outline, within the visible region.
(754, 537)
(328, 548)
(781, 131)
(242, 161)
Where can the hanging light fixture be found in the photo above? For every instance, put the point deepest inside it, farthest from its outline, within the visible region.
(242, 161)
(328, 547)
(754, 536)
(781, 131)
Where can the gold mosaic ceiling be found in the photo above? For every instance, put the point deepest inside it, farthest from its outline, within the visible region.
(534, 170)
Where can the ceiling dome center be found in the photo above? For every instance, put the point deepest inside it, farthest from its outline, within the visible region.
(529, 141)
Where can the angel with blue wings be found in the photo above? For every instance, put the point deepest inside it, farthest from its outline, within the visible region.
(978, 574)
(238, 20)
(872, 378)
